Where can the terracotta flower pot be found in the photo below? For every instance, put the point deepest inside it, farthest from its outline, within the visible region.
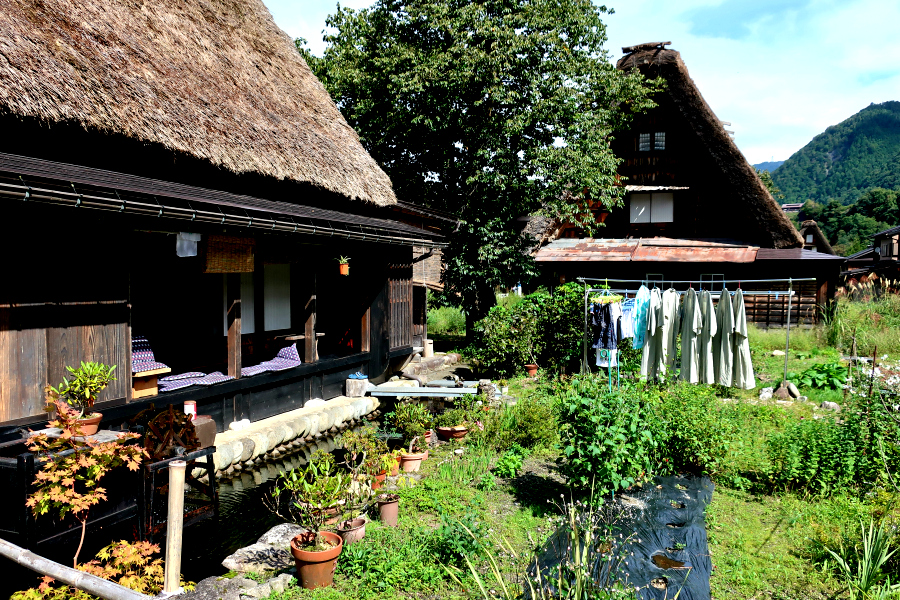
(379, 480)
(345, 269)
(531, 370)
(452, 433)
(427, 437)
(389, 509)
(352, 531)
(411, 462)
(316, 569)
(90, 425)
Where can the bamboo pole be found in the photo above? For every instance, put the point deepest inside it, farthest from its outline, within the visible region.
(174, 525)
(91, 584)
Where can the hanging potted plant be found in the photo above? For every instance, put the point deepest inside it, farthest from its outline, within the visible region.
(344, 264)
(307, 496)
(76, 398)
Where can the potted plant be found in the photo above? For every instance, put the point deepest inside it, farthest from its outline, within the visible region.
(306, 496)
(412, 460)
(412, 420)
(364, 460)
(388, 509)
(344, 264)
(76, 398)
(455, 423)
(504, 387)
(71, 467)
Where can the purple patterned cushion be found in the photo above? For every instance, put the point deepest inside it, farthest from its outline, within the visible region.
(177, 385)
(191, 375)
(289, 353)
(281, 364)
(254, 370)
(212, 378)
(142, 366)
(142, 355)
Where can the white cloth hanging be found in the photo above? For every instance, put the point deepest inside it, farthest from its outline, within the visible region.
(691, 326)
(723, 342)
(743, 367)
(705, 343)
(671, 327)
(651, 356)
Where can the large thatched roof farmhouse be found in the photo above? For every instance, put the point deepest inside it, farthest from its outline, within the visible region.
(695, 210)
(174, 180)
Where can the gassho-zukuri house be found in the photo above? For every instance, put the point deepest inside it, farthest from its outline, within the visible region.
(176, 187)
(694, 210)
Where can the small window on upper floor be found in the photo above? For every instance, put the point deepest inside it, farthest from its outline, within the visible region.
(652, 208)
(886, 247)
(809, 238)
(659, 140)
(644, 142)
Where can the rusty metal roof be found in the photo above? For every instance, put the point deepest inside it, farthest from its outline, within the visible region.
(656, 249)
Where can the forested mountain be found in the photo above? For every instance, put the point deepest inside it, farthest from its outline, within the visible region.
(846, 159)
(768, 165)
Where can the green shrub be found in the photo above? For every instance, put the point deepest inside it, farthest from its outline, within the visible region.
(452, 543)
(825, 456)
(694, 431)
(605, 439)
(530, 423)
(446, 320)
(821, 376)
(391, 559)
(510, 463)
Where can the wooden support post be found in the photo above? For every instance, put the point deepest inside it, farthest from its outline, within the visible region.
(311, 351)
(174, 527)
(234, 324)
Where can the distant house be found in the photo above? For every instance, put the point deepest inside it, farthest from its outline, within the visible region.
(175, 171)
(792, 208)
(882, 258)
(694, 209)
(814, 239)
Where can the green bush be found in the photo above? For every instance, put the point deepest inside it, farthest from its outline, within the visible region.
(826, 456)
(539, 328)
(510, 463)
(390, 559)
(606, 439)
(822, 376)
(530, 423)
(446, 320)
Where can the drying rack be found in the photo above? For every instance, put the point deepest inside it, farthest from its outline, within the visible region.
(625, 291)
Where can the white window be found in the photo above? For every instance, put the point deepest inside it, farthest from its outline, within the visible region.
(644, 142)
(659, 140)
(809, 238)
(248, 322)
(886, 247)
(277, 296)
(640, 208)
(652, 208)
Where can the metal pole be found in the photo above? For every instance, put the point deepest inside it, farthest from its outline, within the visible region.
(584, 340)
(174, 523)
(787, 340)
(91, 584)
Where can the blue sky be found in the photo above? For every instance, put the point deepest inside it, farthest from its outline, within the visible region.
(780, 71)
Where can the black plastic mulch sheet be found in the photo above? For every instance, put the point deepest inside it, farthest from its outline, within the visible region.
(663, 541)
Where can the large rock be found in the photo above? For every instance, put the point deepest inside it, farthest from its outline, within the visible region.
(217, 588)
(792, 390)
(257, 558)
(766, 393)
(280, 536)
(782, 393)
(223, 457)
(248, 447)
(831, 406)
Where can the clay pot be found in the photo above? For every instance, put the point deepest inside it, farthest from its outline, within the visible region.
(452, 433)
(427, 437)
(411, 462)
(316, 569)
(389, 509)
(345, 269)
(90, 425)
(379, 480)
(531, 370)
(352, 531)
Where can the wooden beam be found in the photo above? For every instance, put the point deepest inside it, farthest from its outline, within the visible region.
(310, 348)
(234, 324)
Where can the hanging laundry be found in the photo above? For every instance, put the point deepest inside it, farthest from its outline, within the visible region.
(691, 326)
(723, 341)
(705, 343)
(626, 323)
(671, 327)
(652, 355)
(641, 304)
(605, 323)
(743, 367)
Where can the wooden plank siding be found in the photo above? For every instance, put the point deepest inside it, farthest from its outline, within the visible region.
(401, 304)
(772, 310)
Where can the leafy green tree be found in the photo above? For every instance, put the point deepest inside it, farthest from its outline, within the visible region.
(877, 203)
(766, 178)
(490, 110)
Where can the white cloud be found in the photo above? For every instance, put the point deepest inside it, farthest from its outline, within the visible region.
(780, 70)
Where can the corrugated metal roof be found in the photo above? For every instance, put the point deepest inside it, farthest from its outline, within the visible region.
(794, 254)
(644, 250)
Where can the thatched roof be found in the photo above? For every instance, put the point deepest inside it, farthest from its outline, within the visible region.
(654, 60)
(819, 240)
(214, 79)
